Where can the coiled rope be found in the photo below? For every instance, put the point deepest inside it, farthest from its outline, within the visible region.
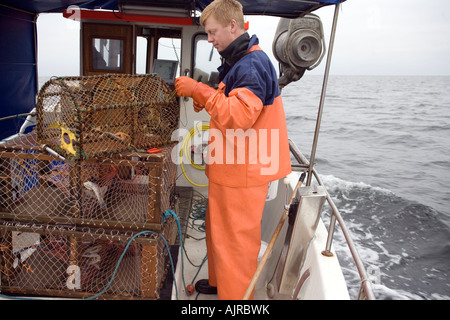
(186, 151)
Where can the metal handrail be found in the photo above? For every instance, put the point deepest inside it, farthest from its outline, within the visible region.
(365, 291)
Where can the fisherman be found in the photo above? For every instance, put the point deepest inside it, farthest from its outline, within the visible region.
(246, 108)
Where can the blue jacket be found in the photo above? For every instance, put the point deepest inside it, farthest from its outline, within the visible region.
(248, 134)
(262, 80)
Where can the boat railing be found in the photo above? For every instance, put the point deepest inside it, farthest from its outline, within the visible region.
(365, 291)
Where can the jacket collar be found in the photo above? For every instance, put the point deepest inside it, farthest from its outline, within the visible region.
(235, 51)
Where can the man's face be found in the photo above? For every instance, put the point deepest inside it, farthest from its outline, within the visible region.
(218, 35)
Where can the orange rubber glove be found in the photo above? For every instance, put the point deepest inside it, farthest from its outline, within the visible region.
(198, 107)
(188, 87)
(185, 86)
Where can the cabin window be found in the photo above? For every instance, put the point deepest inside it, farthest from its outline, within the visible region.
(107, 54)
(141, 55)
(169, 48)
(107, 48)
(206, 61)
(154, 44)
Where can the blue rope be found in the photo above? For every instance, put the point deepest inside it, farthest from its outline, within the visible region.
(167, 215)
(123, 254)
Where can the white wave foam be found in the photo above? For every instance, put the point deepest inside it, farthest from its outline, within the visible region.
(384, 292)
(333, 183)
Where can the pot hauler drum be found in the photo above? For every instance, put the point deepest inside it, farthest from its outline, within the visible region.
(298, 46)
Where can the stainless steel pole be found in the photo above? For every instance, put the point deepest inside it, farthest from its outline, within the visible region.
(323, 94)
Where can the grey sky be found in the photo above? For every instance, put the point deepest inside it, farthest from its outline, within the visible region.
(382, 37)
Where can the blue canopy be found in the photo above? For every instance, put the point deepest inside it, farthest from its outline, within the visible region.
(18, 80)
(251, 7)
(18, 63)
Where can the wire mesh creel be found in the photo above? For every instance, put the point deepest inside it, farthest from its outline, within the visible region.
(129, 190)
(74, 262)
(64, 223)
(83, 117)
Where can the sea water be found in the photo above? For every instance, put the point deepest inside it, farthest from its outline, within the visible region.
(384, 155)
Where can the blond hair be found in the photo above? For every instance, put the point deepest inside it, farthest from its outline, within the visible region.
(224, 11)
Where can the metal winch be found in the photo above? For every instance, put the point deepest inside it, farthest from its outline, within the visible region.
(298, 46)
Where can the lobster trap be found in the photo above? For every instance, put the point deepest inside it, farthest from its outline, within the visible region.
(74, 262)
(83, 196)
(85, 117)
(130, 190)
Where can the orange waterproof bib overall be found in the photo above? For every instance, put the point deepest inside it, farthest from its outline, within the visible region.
(238, 186)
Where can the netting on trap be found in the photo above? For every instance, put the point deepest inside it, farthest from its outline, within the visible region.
(83, 117)
(128, 190)
(50, 260)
